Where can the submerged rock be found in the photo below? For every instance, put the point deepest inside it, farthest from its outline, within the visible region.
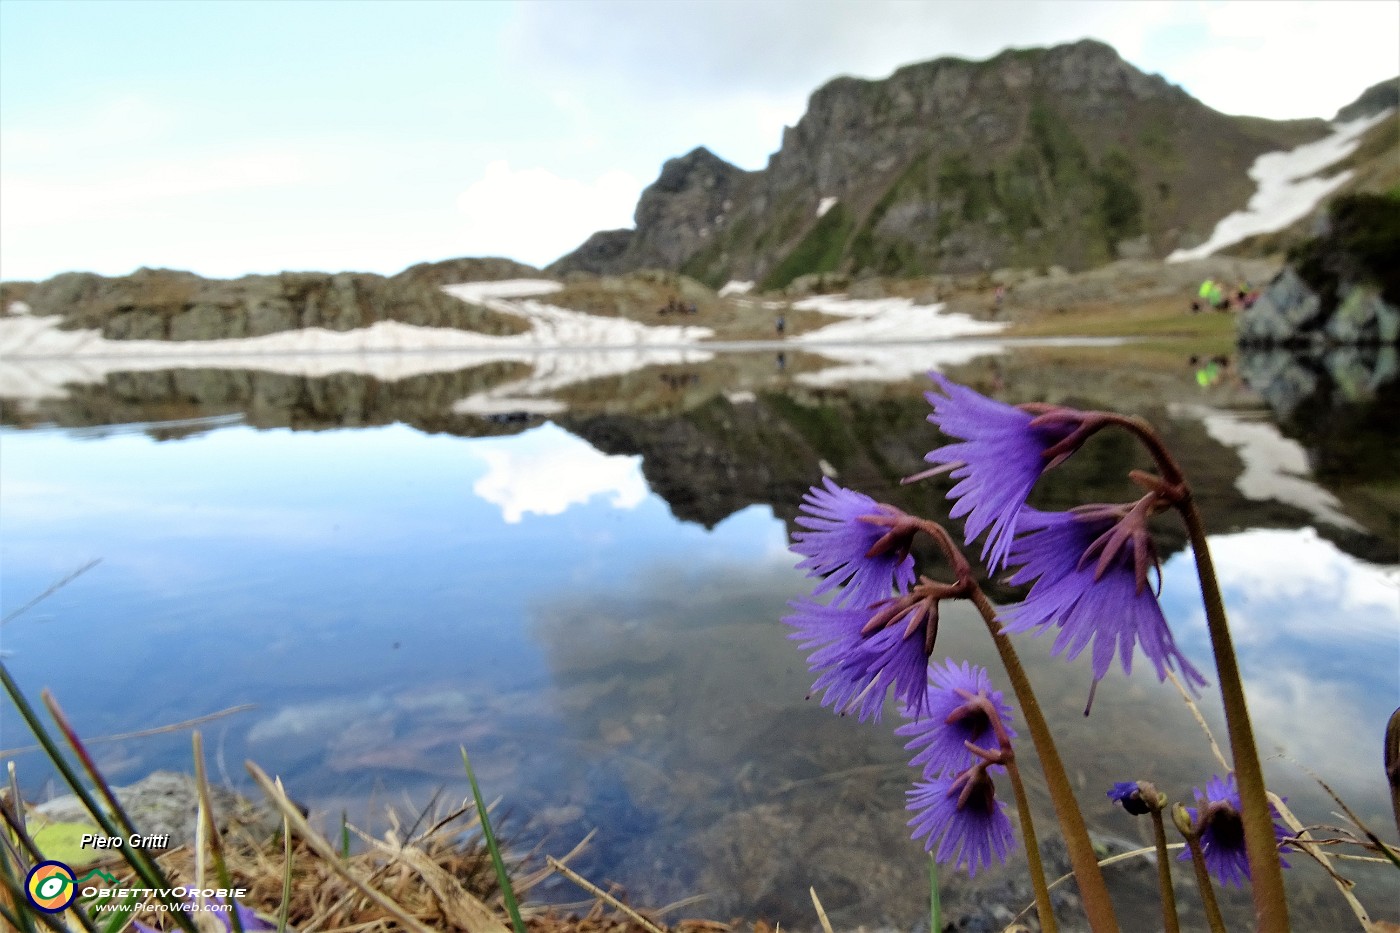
(167, 803)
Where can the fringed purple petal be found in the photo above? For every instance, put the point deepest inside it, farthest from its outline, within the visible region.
(943, 752)
(968, 837)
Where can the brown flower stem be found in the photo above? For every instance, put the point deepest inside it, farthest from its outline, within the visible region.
(1164, 875)
(1261, 846)
(1098, 906)
(1037, 870)
(1198, 861)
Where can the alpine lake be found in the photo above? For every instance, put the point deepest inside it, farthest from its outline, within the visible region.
(584, 588)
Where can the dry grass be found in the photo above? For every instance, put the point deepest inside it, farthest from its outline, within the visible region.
(431, 874)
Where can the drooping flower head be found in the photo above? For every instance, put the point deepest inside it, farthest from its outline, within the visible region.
(1090, 599)
(964, 817)
(1001, 452)
(1137, 797)
(1217, 818)
(838, 542)
(960, 708)
(858, 663)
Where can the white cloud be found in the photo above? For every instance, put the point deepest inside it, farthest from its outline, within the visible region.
(1288, 59)
(547, 470)
(34, 201)
(537, 216)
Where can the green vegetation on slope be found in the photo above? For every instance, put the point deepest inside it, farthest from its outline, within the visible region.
(819, 251)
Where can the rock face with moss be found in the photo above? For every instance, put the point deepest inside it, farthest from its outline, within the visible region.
(166, 304)
(1340, 288)
(1066, 156)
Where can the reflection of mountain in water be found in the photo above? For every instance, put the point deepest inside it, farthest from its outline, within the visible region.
(1343, 406)
(719, 435)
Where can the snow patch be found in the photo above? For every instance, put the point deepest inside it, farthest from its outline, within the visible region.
(825, 205)
(888, 319)
(735, 288)
(39, 359)
(1287, 187)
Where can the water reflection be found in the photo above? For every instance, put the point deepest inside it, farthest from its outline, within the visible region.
(590, 603)
(546, 470)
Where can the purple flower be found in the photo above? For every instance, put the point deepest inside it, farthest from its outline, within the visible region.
(1087, 599)
(1130, 795)
(1001, 453)
(951, 719)
(250, 921)
(838, 543)
(857, 669)
(1222, 831)
(964, 813)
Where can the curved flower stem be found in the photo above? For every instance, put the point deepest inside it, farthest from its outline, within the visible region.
(1042, 893)
(1098, 906)
(1261, 845)
(1198, 861)
(1164, 875)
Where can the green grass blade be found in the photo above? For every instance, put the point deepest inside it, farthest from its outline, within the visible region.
(935, 906)
(344, 836)
(149, 872)
(507, 891)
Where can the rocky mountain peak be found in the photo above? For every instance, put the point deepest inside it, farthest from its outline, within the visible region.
(687, 204)
(1065, 156)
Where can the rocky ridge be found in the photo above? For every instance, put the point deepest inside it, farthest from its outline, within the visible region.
(167, 304)
(1065, 156)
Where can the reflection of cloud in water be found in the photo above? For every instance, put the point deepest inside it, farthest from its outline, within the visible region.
(1316, 632)
(1274, 466)
(546, 470)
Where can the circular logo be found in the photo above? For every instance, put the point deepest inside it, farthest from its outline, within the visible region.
(50, 886)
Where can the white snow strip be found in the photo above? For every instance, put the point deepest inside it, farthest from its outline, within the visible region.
(478, 292)
(735, 288)
(825, 205)
(1287, 187)
(888, 319)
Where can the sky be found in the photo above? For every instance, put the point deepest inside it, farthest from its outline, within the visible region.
(230, 138)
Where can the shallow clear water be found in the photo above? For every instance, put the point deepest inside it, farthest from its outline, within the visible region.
(590, 605)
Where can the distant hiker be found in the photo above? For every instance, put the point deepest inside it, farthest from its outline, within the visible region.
(1212, 295)
(1000, 297)
(781, 325)
(691, 309)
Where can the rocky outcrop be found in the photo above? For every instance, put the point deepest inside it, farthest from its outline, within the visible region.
(1340, 288)
(1066, 156)
(603, 253)
(676, 217)
(165, 304)
(1377, 98)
